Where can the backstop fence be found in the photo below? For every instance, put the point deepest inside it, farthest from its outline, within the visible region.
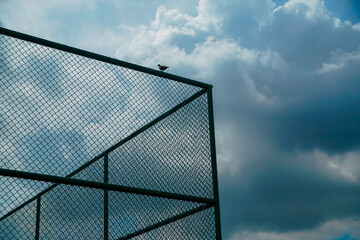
(97, 148)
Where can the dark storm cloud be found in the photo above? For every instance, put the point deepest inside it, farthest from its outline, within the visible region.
(281, 193)
(327, 124)
(312, 109)
(316, 110)
(280, 184)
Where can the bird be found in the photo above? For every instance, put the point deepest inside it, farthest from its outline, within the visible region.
(162, 67)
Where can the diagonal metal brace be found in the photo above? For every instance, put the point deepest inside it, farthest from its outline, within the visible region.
(166, 221)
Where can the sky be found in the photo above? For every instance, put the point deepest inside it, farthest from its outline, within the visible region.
(286, 96)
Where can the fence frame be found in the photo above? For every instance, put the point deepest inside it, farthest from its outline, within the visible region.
(106, 186)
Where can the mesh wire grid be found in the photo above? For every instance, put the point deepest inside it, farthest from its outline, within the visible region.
(59, 113)
(172, 156)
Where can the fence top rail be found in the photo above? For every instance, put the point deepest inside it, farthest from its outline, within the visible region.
(102, 58)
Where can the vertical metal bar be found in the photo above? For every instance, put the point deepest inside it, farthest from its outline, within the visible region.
(37, 227)
(106, 198)
(213, 164)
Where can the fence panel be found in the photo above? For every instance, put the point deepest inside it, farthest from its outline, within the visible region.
(96, 148)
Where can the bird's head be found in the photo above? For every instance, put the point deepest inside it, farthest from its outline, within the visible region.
(158, 65)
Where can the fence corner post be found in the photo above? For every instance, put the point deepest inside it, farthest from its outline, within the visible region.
(213, 164)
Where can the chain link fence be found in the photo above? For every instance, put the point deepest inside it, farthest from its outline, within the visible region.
(96, 148)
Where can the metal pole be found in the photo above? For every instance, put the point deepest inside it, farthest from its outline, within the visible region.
(106, 198)
(103, 186)
(213, 164)
(37, 226)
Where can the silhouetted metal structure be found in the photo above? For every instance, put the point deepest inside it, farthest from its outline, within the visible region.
(97, 148)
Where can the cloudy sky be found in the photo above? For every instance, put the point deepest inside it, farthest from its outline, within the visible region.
(286, 96)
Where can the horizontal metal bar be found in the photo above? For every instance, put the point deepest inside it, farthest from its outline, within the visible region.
(99, 57)
(137, 132)
(166, 221)
(103, 186)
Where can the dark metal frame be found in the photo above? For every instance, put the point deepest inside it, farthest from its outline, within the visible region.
(68, 180)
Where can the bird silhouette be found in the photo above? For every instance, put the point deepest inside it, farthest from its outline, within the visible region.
(162, 67)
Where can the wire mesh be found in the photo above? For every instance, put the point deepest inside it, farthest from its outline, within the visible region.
(141, 212)
(172, 156)
(69, 121)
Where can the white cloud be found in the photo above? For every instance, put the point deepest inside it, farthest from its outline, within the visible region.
(345, 166)
(312, 10)
(339, 60)
(182, 23)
